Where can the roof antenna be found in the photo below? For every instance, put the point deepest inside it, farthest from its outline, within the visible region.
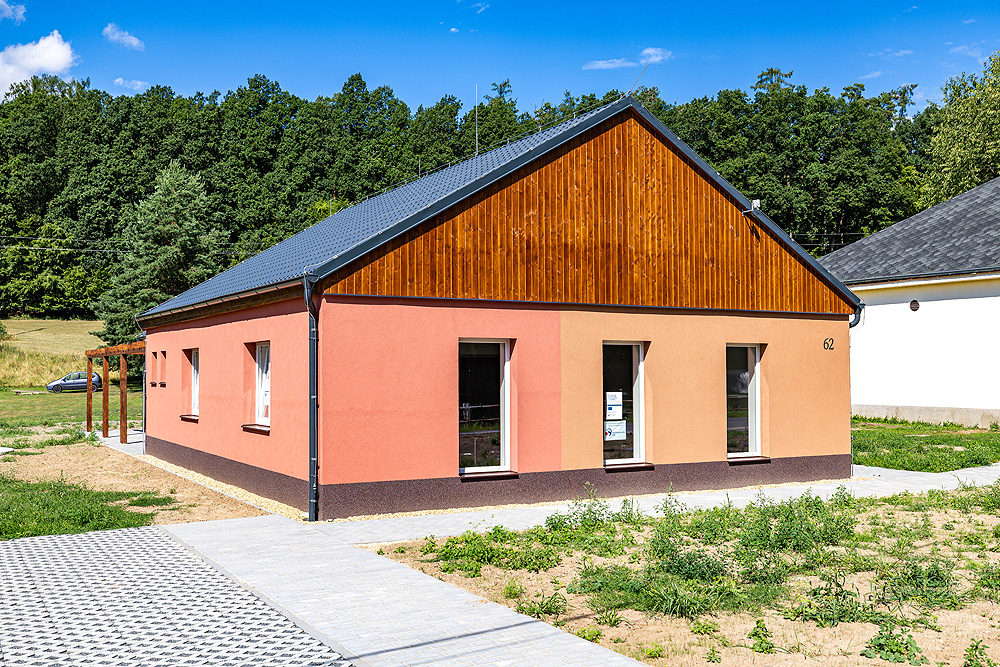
(477, 119)
(637, 78)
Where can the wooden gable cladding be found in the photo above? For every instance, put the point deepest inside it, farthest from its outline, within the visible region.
(615, 216)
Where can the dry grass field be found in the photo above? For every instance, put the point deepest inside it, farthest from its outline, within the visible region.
(44, 350)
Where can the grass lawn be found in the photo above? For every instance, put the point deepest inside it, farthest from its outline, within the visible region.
(922, 447)
(57, 507)
(66, 407)
(844, 582)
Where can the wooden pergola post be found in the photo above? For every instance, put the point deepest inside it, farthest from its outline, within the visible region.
(90, 394)
(122, 398)
(122, 352)
(104, 399)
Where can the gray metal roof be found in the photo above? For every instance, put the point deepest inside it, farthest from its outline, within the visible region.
(348, 234)
(958, 236)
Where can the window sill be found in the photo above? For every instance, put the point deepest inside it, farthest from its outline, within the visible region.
(163, 384)
(152, 384)
(189, 418)
(257, 428)
(625, 467)
(493, 474)
(748, 460)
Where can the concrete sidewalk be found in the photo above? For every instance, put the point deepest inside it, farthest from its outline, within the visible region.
(380, 612)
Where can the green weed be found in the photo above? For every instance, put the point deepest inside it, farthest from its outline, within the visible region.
(552, 605)
(590, 633)
(893, 646)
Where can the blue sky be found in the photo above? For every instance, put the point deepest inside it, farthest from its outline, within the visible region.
(428, 49)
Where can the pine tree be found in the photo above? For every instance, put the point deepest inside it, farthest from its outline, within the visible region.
(170, 249)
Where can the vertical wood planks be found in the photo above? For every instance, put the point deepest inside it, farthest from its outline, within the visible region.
(615, 216)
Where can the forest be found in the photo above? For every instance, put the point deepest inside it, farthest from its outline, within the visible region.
(110, 204)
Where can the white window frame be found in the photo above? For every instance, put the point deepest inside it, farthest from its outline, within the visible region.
(504, 407)
(262, 393)
(638, 403)
(753, 407)
(195, 398)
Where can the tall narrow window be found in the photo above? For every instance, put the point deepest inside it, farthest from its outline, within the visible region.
(263, 394)
(483, 399)
(194, 381)
(742, 400)
(623, 403)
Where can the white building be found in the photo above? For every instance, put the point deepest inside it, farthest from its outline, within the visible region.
(928, 344)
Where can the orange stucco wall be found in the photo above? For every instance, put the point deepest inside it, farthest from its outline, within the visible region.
(227, 383)
(805, 389)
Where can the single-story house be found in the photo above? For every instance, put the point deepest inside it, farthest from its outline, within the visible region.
(590, 303)
(926, 346)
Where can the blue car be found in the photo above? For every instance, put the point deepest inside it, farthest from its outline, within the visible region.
(73, 382)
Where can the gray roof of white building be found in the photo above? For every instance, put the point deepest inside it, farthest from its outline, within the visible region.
(958, 236)
(351, 232)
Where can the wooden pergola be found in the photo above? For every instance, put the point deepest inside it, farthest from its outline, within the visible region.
(121, 351)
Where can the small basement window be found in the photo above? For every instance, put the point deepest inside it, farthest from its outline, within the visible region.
(742, 400)
(623, 403)
(483, 406)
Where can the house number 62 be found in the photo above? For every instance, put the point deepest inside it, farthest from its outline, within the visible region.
(827, 343)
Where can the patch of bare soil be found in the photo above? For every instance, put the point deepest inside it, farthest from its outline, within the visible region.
(664, 640)
(105, 469)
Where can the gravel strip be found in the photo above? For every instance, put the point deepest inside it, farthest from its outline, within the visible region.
(260, 502)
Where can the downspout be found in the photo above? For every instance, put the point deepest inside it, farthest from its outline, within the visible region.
(308, 284)
(857, 315)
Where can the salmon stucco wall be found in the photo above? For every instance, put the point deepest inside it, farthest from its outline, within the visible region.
(389, 385)
(227, 382)
(805, 387)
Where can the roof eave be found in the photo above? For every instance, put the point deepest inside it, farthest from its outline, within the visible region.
(922, 276)
(149, 315)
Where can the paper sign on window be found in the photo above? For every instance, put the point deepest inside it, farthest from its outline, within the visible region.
(613, 397)
(613, 412)
(614, 430)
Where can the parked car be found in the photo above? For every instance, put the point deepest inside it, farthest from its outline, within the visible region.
(73, 382)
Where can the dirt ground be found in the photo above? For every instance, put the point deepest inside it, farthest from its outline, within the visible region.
(105, 469)
(673, 639)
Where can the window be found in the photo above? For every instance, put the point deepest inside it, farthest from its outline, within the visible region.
(194, 381)
(483, 406)
(742, 400)
(154, 366)
(624, 440)
(263, 393)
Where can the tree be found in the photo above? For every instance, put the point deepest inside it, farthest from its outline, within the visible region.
(169, 250)
(965, 149)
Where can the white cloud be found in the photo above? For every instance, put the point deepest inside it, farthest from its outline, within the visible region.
(453, 30)
(50, 55)
(648, 56)
(901, 53)
(872, 75)
(482, 7)
(610, 64)
(910, 9)
(967, 21)
(15, 12)
(131, 84)
(116, 35)
(971, 50)
(654, 55)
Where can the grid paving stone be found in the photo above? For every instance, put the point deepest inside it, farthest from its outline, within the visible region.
(136, 596)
